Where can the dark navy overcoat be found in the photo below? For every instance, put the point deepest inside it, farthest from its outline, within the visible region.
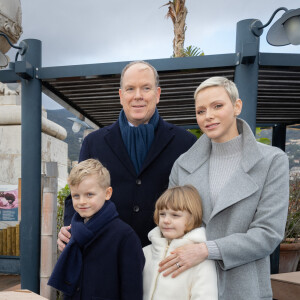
(112, 265)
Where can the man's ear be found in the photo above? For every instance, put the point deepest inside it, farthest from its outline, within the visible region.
(158, 91)
(238, 105)
(108, 193)
(120, 95)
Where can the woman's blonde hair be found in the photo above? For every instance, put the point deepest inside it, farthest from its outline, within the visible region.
(89, 167)
(181, 198)
(227, 84)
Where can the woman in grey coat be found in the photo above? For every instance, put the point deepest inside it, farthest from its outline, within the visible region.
(244, 186)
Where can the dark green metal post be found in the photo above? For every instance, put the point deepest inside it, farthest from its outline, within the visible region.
(246, 72)
(279, 136)
(278, 140)
(31, 172)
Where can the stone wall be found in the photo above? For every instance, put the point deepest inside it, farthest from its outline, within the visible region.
(54, 149)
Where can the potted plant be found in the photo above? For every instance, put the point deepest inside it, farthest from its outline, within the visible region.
(290, 246)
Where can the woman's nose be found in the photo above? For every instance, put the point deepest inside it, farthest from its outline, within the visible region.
(209, 114)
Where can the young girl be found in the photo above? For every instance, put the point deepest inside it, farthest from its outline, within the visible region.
(178, 214)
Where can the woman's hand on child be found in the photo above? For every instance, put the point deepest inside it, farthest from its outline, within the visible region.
(63, 237)
(183, 258)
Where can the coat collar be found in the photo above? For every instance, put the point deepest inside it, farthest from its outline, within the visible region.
(202, 148)
(114, 139)
(196, 162)
(158, 242)
(163, 135)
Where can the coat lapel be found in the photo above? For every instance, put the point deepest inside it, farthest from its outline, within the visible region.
(238, 187)
(162, 138)
(201, 175)
(115, 142)
(241, 185)
(196, 164)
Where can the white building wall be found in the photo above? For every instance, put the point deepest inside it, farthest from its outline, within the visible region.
(54, 149)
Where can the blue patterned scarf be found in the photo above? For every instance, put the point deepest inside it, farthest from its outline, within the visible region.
(66, 273)
(138, 139)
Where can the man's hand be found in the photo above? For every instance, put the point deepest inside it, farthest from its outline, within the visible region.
(63, 237)
(183, 258)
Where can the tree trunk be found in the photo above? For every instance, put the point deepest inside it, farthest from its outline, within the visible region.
(177, 12)
(179, 33)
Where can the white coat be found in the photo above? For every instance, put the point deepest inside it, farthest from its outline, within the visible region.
(197, 283)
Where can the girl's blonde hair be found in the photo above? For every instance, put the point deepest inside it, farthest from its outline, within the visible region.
(89, 167)
(181, 198)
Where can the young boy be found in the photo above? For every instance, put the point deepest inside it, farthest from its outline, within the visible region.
(104, 257)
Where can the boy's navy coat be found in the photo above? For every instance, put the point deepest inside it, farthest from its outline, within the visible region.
(112, 265)
(135, 194)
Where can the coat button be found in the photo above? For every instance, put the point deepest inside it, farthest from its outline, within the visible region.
(136, 209)
(138, 181)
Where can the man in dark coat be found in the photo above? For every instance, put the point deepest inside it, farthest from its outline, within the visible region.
(138, 150)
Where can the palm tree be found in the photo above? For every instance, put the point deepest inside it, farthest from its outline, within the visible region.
(177, 11)
(192, 51)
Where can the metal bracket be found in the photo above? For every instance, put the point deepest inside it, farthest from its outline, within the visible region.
(257, 28)
(249, 53)
(24, 69)
(237, 59)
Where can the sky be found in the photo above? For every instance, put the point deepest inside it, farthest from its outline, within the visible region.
(77, 32)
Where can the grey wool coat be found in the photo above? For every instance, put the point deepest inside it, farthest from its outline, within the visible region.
(248, 220)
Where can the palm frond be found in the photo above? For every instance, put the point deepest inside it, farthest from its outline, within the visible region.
(192, 51)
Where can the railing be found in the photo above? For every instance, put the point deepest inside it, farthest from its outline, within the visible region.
(10, 241)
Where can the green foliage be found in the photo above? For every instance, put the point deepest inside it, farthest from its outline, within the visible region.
(292, 228)
(61, 196)
(196, 132)
(261, 139)
(264, 141)
(192, 51)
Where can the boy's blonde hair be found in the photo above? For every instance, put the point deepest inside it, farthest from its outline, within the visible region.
(89, 167)
(216, 81)
(181, 198)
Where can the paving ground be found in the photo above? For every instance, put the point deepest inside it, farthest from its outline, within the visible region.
(10, 282)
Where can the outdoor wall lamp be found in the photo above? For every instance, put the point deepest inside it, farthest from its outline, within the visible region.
(22, 50)
(284, 31)
(77, 124)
